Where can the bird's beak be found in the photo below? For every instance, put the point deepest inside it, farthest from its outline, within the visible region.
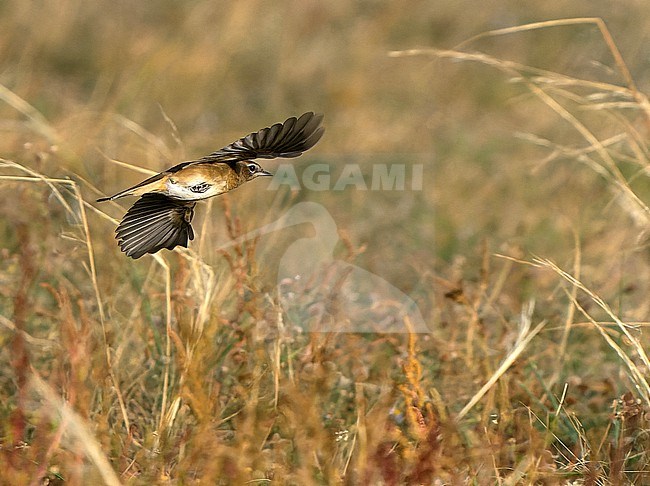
(266, 173)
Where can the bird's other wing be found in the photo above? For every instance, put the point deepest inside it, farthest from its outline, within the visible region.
(155, 222)
(288, 139)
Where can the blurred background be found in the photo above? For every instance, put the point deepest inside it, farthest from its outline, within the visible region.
(86, 83)
(109, 79)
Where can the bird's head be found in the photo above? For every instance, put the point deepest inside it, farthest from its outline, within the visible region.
(250, 170)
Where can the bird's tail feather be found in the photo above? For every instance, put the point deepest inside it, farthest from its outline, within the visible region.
(153, 184)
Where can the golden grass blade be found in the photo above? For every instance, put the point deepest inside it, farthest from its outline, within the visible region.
(126, 165)
(38, 121)
(617, 178)
(639, 97)
(75, 429)
(33, 179)
(514, 69)
(168, 343)
(170, 416)
(639, 376)
(91, 253)
(36, 177)
(145, 134)
(51, 183)
(570, 315)
(510, 359)
(175, 133)
(46, 343)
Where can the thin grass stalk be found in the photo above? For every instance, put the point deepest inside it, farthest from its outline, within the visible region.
(37, 177)
(640, 379)
(76, 429)
(36, 118)
(168, 344)
(607, 37)
(510, 359)
(570, 316)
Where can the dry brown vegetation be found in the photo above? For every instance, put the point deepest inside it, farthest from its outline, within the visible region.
(526, 252)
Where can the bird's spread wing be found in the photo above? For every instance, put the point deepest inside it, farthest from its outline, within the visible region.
(288, 139)
(155, 222)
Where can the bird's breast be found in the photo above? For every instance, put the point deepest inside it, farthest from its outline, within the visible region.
(200, 181)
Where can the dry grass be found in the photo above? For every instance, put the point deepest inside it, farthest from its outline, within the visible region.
(527, 252)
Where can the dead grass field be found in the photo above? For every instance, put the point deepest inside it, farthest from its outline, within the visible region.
(526, 251)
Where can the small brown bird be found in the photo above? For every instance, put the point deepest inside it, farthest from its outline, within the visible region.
(162, 217)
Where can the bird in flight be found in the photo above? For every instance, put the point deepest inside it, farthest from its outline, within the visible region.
(162, 217)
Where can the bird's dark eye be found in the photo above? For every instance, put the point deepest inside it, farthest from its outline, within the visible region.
(253, 168)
